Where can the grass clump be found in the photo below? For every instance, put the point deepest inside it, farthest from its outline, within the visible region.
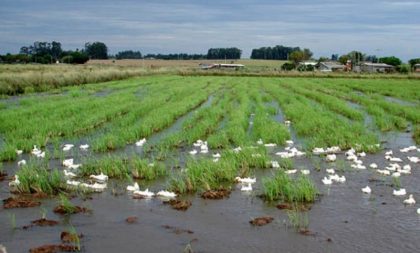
(282, 187)
(112, 166)
(38, 179)
(66, 205)
(143, 169)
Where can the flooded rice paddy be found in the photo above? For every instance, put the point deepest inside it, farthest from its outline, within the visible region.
(227, 113)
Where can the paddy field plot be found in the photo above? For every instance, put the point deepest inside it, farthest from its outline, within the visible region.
(261, 145)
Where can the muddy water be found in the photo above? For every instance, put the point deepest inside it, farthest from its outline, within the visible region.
(399, 101)
(353, 221)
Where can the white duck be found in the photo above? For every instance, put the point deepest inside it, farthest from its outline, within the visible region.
(362, 154)
(99, 178)
(290, 171)
(67, 162)
(146, 193)
(198, 143)
(326, 181)
(384, 172)
(21, 163)
(84, 146)
(97, 187)
(287, 122)
(305, 172)
(193, 152)
(217, 155)
(132, 188)
(413, 159)
(400, 192)
(410, 200)
(237, 150)
(68, 147)
(341, 179)
(246, 188)
(246, 180)
(141, 142)
(15, 182)
(396, 174)
(270, 144)
(69, 174)
(19, 152)
(166, 194)
(275, 164)
(366, 190)
(73, 183)
(330, 171)
(373, 166)
(74, 166)
(260, 142)
(318, 151)
(389, 153)
(289, 142)
(396, 159)
(331, 158)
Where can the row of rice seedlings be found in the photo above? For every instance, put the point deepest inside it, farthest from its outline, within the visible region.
(38, 178)
(204, 174)
(201, 125)
(331, 102)
(25, 127)
(234, 131)
(404, 89)
(281, 186)
(384, 121)
(123, 168)
(320, 126)
(156, 120)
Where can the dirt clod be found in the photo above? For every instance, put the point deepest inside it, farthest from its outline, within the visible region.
(178, 230)
(42, 223)
(261, 221)
(53, 248)
(307, 232)
(3, 176)
(131, 219)
(216, 194)
(19, 203)
(176, 204)
(67, 237)
(62, 210)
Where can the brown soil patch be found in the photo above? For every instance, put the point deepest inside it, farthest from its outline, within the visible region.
(299, 207)
(3, 176)
(53, 248)
(42, 223)
(181, 205)
(77, 209)
(307, 232)
(19, 203)
(215, 194)
(261, 221)
(131, 220)
(177, 230)
(67, 237)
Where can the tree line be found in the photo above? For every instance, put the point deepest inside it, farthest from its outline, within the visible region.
(51, 52)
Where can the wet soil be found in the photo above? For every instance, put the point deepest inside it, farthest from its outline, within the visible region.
(19, 202)
(216, 194)
(131, 220)
(77, 209)
(181, 205)
(177, 230)
(53, 248)
(42, 223)
(67, 237)
(3, 176)
(261, 221)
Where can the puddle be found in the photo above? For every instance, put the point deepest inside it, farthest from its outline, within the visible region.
(399, 101)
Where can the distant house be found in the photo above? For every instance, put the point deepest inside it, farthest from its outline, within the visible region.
(331, 66)
(376, 67)
(417, 68)
(306, 65)
(220, 66)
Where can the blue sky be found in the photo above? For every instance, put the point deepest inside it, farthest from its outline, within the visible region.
(380, 27)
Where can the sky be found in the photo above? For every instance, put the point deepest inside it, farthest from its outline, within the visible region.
(375, 27)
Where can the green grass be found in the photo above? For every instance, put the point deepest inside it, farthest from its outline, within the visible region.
(143, 169)
(67, 206)
(37, 178)
(284, 188)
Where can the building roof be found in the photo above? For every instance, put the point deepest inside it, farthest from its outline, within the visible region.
(417, 65)
(308, 63)
(332, 64)
(378, 65)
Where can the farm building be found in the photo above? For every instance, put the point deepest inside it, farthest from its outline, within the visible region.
(330, 66)
(307, 65)
(220, 66)
(417, 68)
(376, 67)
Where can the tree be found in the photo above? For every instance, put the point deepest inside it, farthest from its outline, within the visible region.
(297, 56)
(414, 62)
(96, 50)
(307, 54)
(343, 59)
(278, 52)
(390, 60)
(372, 58)
(334, 57)
(224, 53)
(56, 49)
(128, 54)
